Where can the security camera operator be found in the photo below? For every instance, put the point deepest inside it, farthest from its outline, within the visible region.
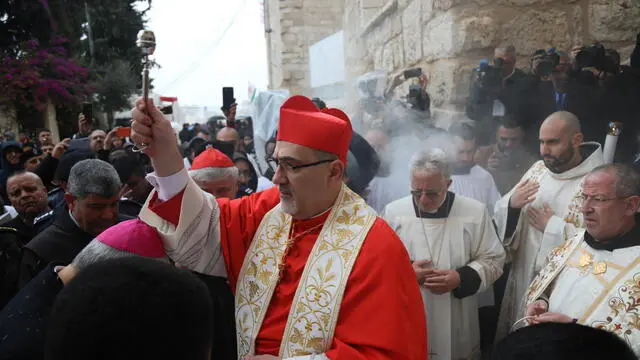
(496, 90)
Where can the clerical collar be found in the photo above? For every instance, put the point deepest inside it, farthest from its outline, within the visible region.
(629, 239)
(442, 212)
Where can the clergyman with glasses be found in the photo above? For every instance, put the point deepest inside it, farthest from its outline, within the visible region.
(594, 277)
(455, 253)
(543, 209)
(315, 273)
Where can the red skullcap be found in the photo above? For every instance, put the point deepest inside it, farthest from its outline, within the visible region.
(302, 123)
(211, 158)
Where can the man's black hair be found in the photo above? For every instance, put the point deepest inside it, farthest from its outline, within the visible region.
(510, 122)
(128, 166)
(556, 341)
(319, 103)
(131, 308)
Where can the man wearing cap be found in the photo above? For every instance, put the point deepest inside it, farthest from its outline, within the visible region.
(215, 173)
(316, 274)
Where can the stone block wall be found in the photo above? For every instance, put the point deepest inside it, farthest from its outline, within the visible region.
(292, 26)
(447, 38)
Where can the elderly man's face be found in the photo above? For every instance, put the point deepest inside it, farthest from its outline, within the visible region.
(220, 188)
(27, 195)
(428, 188)
(602, 209)
(96, 140)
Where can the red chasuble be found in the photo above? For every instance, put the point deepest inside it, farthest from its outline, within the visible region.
(381, 314)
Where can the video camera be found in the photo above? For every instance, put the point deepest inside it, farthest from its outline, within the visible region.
(490, 77)
(596, 56)
(371, 88)
(543, 62)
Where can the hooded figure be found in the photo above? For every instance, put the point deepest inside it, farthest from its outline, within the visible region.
(11, 163)
(247, 175)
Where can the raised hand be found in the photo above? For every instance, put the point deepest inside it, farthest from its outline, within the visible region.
(151, 128)
(524, 194)
(60, 148)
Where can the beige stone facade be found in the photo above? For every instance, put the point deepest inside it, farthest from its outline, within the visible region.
(447, 38)
(291, 27)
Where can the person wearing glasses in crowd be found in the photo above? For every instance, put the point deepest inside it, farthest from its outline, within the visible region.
(540, 212)
(594, 278)
(455, 251)
(302, 258)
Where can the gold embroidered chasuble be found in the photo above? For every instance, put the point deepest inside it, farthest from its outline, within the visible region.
(529, 247)
(315, 308)
(600, 288)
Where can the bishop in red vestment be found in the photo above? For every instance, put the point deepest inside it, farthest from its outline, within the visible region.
(316, 274)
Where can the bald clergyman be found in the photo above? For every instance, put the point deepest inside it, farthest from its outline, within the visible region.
(544, 207)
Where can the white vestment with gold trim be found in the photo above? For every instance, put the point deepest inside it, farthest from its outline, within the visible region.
(528, 247)
(600, 288)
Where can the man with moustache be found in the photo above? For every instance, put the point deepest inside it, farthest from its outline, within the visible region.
(594, 277)
(28, 195)
(544, 208)
(303, 259)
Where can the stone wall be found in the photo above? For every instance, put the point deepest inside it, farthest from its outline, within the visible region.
(292, 26)
(448, 38)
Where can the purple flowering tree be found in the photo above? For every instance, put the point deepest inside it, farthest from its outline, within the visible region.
(39, 74)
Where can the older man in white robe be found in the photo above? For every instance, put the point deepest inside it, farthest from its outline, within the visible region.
(455, 252)
(594, 277)
(544, 208)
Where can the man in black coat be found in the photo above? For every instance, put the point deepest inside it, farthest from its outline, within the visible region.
(92, 198)
(28, 196)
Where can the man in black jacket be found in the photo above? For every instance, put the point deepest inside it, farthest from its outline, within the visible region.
(28, 196)
(502, 91)
(92, 201)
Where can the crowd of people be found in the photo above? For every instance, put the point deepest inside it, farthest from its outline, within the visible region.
(503, 236)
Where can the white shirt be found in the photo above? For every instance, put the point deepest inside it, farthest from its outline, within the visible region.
(478, 184)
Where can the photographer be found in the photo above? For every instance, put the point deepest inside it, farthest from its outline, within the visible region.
(496, 90)
(507, 160)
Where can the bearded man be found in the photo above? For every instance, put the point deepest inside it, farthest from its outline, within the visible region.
(544, 208)
(304, 258)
